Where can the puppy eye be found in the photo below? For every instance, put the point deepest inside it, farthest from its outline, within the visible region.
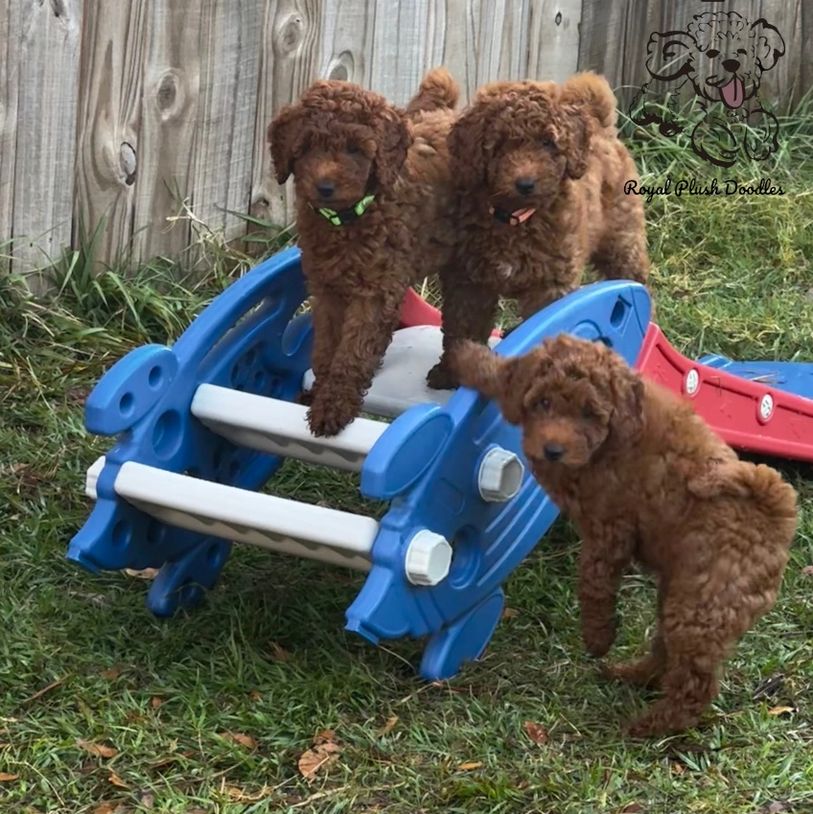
(353, 149)
(547, 144)
(712, 53)
(588, 411)
(741, 51)
(543, 405)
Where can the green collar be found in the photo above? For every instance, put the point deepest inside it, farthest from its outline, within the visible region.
(342, 216)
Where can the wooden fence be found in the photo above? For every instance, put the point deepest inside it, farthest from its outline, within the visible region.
(120, 110)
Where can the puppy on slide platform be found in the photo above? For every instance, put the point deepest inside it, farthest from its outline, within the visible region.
(644, 478)
(374, 214)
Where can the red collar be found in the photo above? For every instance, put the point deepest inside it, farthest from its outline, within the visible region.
(511, 218)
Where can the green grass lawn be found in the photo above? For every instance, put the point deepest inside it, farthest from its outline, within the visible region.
(104, 708)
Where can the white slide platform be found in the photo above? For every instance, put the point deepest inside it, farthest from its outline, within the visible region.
(281, 428)
(401, 381)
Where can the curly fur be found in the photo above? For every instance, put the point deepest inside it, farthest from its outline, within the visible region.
(562, 138)
(341, 143)
(645, 479)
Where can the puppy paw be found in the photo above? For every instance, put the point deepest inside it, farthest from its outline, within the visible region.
(598, 640)
(639, 672)
(330, 413)
(440, 377)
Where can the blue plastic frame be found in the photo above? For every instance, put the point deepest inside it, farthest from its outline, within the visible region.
(425, 464)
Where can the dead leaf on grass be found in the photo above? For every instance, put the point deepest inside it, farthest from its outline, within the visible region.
(110, 808)
(324, 751)
(536, 732)
(781, 710)
(115, 780)
(279, 652)
(389, 726)
(111, 673)
(238, 795)
(632, 808)
(7, 777)
(143, 573)
(808, 570)
(238, 737)
(156, 701)
(98, 749)
(255, 695)
(510, 613)
(775, 807)
(469, 766)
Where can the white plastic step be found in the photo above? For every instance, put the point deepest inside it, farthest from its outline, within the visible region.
(281, 428)
(401, 380)
(281, 525)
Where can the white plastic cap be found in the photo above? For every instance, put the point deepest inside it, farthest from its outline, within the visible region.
(500, 475)
(428, 558)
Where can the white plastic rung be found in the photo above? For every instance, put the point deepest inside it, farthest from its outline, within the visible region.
(286, 526)
(281, 428)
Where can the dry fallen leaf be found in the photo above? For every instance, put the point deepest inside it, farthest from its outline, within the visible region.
(6, 777)
(156, 701)
(775, 807)
(143, 573)
(111, 673)
(808, 570)
(238, 795)
(677, 768)
(324, 751)
(510, 613)
(389, 726)
(115, 780)
(781, 710)
(98, 749)
(238, 737)
(632, 808)
(110, 808)
(279, 652)
(469, 766)
(255, 695)
(536, 732)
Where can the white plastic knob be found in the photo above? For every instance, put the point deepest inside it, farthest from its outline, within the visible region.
(500, 475)
(92, 477)
(428, 558)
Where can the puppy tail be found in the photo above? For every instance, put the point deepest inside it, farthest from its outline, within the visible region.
(593, 93)
(475, 366)
(759, 483)
(437, 91)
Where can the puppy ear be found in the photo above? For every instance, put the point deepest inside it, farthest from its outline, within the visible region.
(491, 375)
(628, 403)
(393, 140)
(466, 147)
(770, 45)
(576, 129)
(284, 136)
(669, 55)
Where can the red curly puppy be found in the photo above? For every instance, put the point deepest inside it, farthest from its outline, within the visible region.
(645, 479)
(374, 204)
(541, 174)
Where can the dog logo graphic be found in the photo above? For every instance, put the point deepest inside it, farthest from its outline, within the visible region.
(720, 58)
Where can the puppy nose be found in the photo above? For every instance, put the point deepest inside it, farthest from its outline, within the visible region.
(525, 186)
(325, 188)
(731, 64)
(553, 452)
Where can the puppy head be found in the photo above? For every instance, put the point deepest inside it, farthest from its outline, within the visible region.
(340, 142)
(520, 141)
(722, 53)
(570, 396)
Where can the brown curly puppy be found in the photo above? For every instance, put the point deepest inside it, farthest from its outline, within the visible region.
(374, 205)
(541, 175)
(644, 478)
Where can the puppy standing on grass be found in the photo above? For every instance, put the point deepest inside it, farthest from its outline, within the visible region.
(644, 478)
(374, 204)
(541, 173)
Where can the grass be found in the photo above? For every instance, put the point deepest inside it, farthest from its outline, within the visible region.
(266, 658)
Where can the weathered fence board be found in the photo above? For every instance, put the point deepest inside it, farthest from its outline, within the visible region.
(47, 96)
(165, 114)
(108, 148)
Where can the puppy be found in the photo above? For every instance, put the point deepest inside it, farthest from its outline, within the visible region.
(374, 205)
(645, 479)
(541, 173)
